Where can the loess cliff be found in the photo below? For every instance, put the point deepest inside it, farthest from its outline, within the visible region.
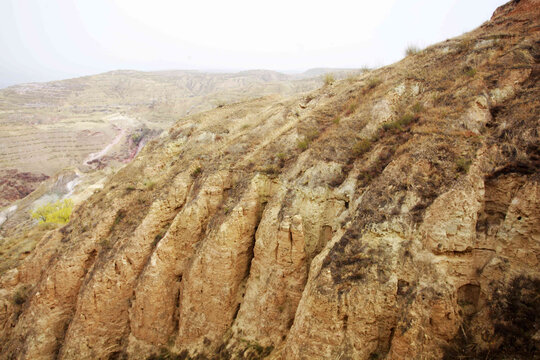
(391, 215)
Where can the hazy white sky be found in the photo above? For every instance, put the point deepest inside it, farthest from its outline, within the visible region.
(43, 40)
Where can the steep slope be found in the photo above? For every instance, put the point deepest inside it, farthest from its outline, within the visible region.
(395, 215)
(93, 121)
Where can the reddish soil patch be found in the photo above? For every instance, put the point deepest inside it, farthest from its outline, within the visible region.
(15, 185)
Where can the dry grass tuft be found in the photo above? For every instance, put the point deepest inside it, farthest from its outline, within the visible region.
(412, 50)
(329, 79)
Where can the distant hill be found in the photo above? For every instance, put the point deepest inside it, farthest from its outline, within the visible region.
(92, 121)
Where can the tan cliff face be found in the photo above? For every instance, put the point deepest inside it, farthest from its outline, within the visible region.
(394, 215)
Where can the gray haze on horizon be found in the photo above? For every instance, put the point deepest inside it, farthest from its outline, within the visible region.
(57, 39)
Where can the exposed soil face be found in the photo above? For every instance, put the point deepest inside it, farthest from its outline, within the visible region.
(391, 215)
(15, 185)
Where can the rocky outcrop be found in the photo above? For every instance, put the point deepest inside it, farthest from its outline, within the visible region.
(154, 310)
(15, 185)
(394, 215)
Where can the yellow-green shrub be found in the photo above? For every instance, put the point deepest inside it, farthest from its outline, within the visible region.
(57, 212)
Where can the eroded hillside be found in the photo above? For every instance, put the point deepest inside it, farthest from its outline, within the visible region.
(394, 215)
(93, 121)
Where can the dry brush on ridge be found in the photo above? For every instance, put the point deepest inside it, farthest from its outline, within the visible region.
(394, 215)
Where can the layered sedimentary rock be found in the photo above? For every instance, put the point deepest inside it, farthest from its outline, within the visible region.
(393, 215)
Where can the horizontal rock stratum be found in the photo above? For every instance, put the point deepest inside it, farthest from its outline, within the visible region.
(392, 215)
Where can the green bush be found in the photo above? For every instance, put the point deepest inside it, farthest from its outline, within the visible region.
(58, 212)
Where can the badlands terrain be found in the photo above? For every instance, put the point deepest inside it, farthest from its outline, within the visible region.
(394, 214)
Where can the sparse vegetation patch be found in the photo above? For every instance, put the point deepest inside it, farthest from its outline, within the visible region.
(469, 71)
(303, 144)
(465, 45)
(411, 50)
(329, 79)
(20, 295)
(398, 125)
(270, 170)
(373, 82)
(417, 108)
(350, 106)
(361, 147)
(281, 159)
(463, 165)
(196, 172)
(149, 184)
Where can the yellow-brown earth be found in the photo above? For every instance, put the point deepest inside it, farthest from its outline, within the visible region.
(394, 215)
